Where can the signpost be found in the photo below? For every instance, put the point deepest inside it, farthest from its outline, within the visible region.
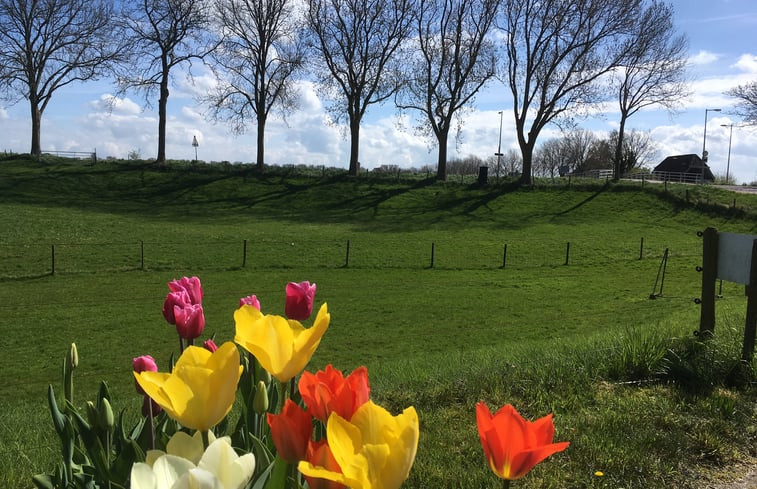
(732, 257)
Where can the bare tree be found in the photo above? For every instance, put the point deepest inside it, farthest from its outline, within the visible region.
(260, 52)
(576, 145)
(549, 157)
(653, 71)
(746, 101)
(556, 51)
(48, 44)
(455, 58)
(638, 149)
(356, 42)
(160, 35)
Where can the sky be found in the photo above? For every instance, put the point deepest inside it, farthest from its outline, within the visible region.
(722, 54)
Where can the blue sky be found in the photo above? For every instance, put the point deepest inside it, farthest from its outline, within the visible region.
(723, 53)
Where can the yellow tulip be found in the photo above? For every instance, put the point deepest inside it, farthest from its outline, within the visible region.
(282, 346)
(201, 389)
(375, 450)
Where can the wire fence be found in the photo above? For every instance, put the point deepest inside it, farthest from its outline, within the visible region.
(36, 259)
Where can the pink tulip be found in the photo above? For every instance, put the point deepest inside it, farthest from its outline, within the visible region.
(210, 345)
(250, 300)
(191, 285)
(299, 300)
(190, 321)
(173, 300)
(145, 363)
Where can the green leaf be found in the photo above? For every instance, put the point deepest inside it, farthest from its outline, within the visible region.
(58, 418)
(278, 478)
(43, 481)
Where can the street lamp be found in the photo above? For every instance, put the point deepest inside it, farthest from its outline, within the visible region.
(730, 138)
(195, 144)
(498, 154)
(704, 140)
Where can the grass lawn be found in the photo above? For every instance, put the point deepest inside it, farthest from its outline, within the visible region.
(636, 396)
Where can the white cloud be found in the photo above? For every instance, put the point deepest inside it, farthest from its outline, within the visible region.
(704, 57)
(746, 63)
(3, 113)
(116, 105)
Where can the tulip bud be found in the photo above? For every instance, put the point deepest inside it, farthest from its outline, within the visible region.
(190, 321)
(210, 345)
(73, 356)
(191, 285)
(174, 299)
(145, 363)
(263, 374)
(105, 417)
(260, 401)
(92, 414)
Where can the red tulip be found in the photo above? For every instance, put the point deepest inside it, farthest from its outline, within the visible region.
(174, 299)
(291, 431)
(190, 321)
(513, 445)
(299, 300)
(145, 363)
(319, 454)
(329, 391)
(210, 345)
(250, 300)
(189, 284)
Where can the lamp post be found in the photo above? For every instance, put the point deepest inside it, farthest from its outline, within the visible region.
(195, 144)
(704, 140)
(730, 138)
(498, 154)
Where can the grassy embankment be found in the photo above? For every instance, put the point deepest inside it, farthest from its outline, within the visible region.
(636, 396)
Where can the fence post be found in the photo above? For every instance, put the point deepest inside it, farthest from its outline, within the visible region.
(244, 253)
(567, 253)
(641, 249)
(504, 256)
(347, 257)
(432, 254)
(142, 255)
(709, 275)
(52, 259)
(747, 352)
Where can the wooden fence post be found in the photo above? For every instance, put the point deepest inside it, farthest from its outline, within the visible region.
(709, 276)
(244, 253)
(747, 351)
(641, 249)
(142, 255)
(52, 259)
(347, 257)
(567, 253)
(432, 254)
(504, 256)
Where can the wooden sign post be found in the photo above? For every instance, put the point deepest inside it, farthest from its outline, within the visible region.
(731, 257)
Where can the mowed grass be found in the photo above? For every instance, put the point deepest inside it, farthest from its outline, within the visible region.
(545, 336)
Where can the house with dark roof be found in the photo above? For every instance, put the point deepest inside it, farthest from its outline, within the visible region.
(684, 168)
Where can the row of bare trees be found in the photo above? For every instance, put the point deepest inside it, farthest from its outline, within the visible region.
(558, 59)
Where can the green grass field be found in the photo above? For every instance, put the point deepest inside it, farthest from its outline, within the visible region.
(636, 396)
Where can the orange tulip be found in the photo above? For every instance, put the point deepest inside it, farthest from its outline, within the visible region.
(329, 391)
(513, 445)
(291, 431)
(319, 454)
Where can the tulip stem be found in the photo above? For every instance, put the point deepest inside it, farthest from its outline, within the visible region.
(181, 345)
(506, 485)
(152, 422)
(205, 440)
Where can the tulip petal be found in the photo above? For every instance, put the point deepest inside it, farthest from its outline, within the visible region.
(232, 470)
(524, 461)
(142, 477)
(169, 468)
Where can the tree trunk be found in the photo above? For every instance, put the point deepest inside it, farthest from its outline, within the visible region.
(527, 152)
(36, 149)
(354, 145)
(261, 141)
(162, 103)
(441, 162)
(617, 169)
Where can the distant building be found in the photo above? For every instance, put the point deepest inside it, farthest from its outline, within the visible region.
(684, 168)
